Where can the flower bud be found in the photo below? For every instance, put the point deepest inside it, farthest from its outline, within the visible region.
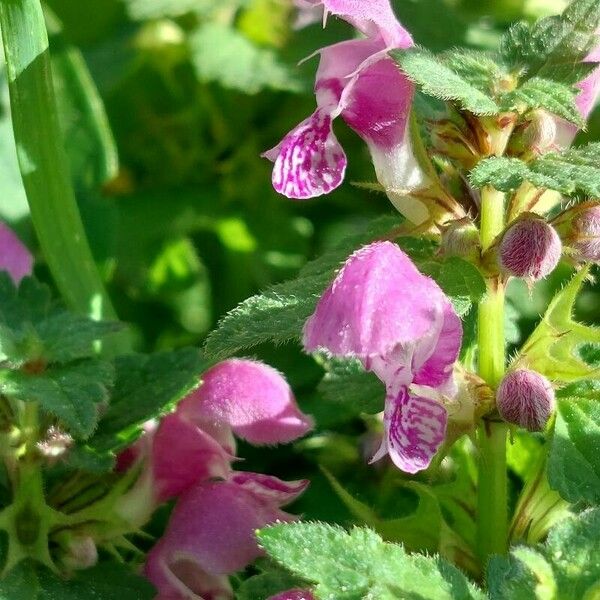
(458, 144)
(530, 248)
(525, 398)
(579, 229)
(461, 238)
(537, 135)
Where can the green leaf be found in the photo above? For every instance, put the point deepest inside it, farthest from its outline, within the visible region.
(554, 47)
(32, 327)
(523, 575)
(222, 54)
(574, 460)
(71, 392)
(105, 581)
(477, 68)
(461, 281)
(552, 348)
(566, 567)
(572, 172)
(347, 383)
(553, 96)
(146, 386)
(359, 564)
(279, 313)
(265, 585)
(440, 81)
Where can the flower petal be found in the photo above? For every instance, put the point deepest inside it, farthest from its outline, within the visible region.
(437, 369)
(250, 397)
(372, 17)
(271, 490)
(182, 455)
(213, 527)
(378, 300)
(309, 162)
(15, 258)
(415, 429)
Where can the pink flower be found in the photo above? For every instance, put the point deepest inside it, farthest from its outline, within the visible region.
(196, 443)
(211, 534)
(357, 80)
(250, 399)
(383, 311)
(15, 258)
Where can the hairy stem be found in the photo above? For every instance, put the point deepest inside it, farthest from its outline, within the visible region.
(492, 522)
(43, 161)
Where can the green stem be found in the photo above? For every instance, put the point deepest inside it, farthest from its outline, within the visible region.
(492, 523)
(43, 160)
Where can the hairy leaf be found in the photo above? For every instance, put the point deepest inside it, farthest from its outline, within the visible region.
(440, 81)
(359, 564)
(572, 172)
(70, 392)
(554, 47)
(553, 96)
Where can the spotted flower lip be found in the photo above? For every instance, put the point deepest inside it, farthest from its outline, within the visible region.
(359, 82)
(15, 258)
(398, 322)
(211, 533)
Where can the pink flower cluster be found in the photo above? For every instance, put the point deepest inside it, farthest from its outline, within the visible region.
(188, 455)
(400, 325)
(358, 81)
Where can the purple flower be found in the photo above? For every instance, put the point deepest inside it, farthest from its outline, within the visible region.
(15, 258)
(398, 322)
(357, 80)
(211, 534)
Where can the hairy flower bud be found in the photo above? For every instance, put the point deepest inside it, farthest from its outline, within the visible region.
(537, 135)
(530, 248)
(80, 552)
(525, 398)
(579, 229)
(461, 238)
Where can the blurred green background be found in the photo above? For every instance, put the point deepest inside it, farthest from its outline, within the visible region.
(166, 106)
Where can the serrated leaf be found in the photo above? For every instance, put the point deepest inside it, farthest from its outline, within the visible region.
(279, 313)
(221, 53)
(572, 172)
(70, 393)
(566, 567)
(574, 459)
(554, 47)
(145, 387)
(553, 96)
(440, 81)
(33, 327)
(552, 348)
(359, 564)
(477, 68)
